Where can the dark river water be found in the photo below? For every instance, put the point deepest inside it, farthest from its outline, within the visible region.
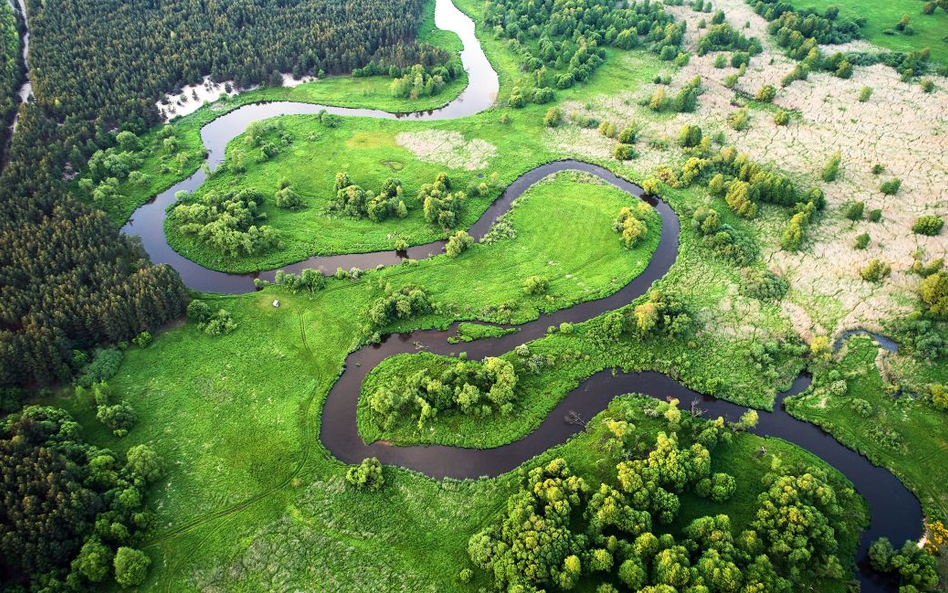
(896, 512)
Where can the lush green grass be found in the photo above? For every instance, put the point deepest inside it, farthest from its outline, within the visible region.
(918, 458)
(469, 332)
(930, 29)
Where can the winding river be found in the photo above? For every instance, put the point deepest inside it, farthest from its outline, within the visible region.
(895, 512)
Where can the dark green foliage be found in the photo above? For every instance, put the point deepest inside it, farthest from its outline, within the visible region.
(354, 201)
(854, 210)
(227, 221)
(105, 363)
(917, 570)
(479, 388)
(217, 323)
(439, 205)
(724, 239)
(402, 303)
(11, 70)
(68, 505)
(94, 287)
(308, 280)
(891, 187)
(928, 225)
(366, 476)
(763, 284)
(723, 37)
(875, 215)
(862, 241)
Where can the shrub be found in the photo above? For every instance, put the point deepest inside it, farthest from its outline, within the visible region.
(875, 271)
(878, 169)
(689, 136)
(607, 129)
(739, 120)
(865, 93)
(831, 170)
(854, 210)
(934, 293)
(720, 61)
(535, 285)
(220, 323)
(861, 407)
(782, 117)
(119, 418)
(198, 311)
(862, 241)
(142, 340)
(398, 304)
(458, 243)
(766, 93)
(105, 363)
(630, 224)
(366, 476)
(762, 284)
(624, 152)
(553, 117)
(928, 86)
(627, 135)
(891, 187)
(928, 225)
(875, 215)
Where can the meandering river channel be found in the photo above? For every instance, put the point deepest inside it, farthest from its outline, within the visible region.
(895, 512)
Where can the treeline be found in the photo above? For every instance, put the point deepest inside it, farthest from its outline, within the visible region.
(561, 531)
(133, 52)
(11, 71)
(560, 41)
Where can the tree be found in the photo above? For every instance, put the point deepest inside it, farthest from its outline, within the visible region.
(144, 462)
(766, 93)
(535, 285)
(928, 225)
(458, 243)
(689, 136)
(875, 271)
(366, 476)
(93, 560)
(934, 293)
(131, 566)
(831, 170)
(553, 117)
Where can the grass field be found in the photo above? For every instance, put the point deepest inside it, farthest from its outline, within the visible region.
(931, 30)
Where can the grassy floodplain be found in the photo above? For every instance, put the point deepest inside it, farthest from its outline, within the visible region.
(240, 414)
